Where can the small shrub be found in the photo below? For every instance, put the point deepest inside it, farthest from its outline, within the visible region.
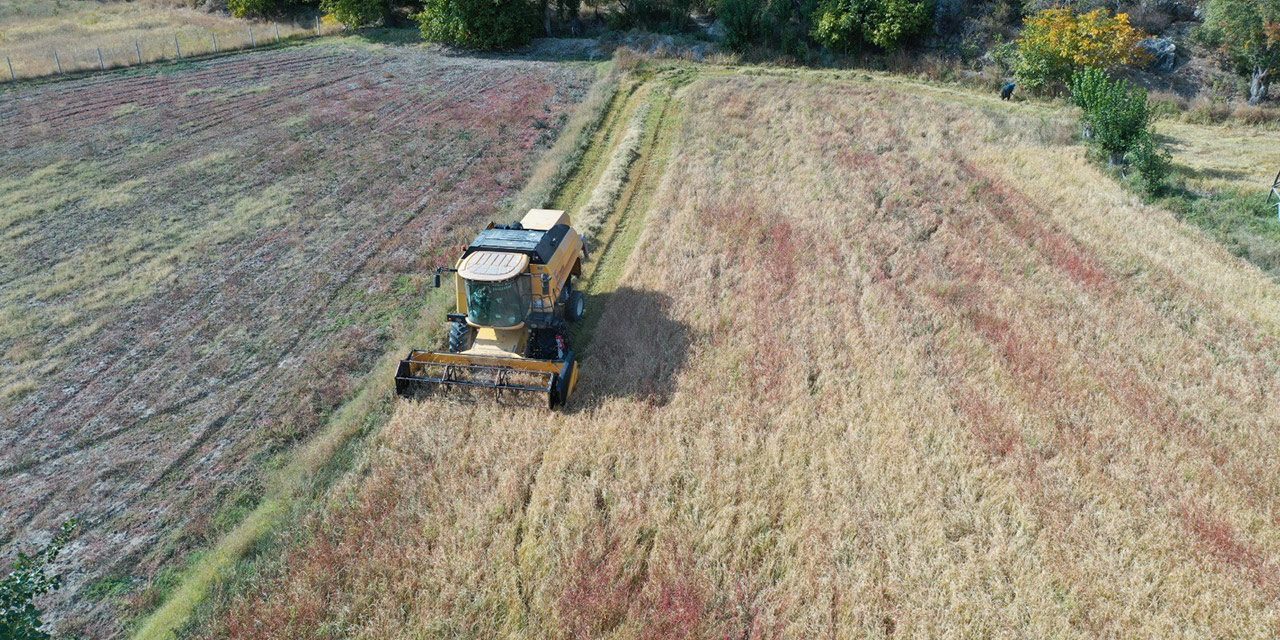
(1150, 164)
(1165, 104)
(1204, 110)
(19, 617)
(1117, 117)
(1253, 114)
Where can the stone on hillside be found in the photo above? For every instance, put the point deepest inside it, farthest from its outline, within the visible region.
(1163, 52)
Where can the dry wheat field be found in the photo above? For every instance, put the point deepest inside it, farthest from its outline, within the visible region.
(881, 363)
(200, 263)
(50, 37)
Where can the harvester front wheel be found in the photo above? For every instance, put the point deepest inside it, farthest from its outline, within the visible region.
(460, 335)
(576, 307)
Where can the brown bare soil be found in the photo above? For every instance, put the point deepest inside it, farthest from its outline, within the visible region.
(200, 261)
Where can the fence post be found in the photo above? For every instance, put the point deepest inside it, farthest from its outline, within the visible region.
(252, 44)
(317, 25)
(277, 26)
(215, 41)
(101, 66)
(12, 78)
(138, 49)
(177, 46)
(57, 60)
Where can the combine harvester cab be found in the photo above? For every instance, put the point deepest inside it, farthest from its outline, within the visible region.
(509, 338)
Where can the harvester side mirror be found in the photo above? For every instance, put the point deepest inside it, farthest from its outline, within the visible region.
(586, 252)
(435, 280)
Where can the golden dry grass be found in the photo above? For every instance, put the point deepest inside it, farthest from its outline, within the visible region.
(32, 30)
(882, 363)
(1222, 157)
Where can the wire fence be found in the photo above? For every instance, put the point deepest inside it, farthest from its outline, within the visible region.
(118, 53)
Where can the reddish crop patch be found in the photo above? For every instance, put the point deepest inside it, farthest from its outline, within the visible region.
(1217, 537)
(601, 590)
(675, 605)
(1026, 221)
(662, 597)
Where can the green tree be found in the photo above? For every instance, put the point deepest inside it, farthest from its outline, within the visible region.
(1115, 112)
(19, 617)
(662, 14)
(480, 24)
(777, 24)
(847, 25)
(744, 22)
(1248, 31)
(249, 8)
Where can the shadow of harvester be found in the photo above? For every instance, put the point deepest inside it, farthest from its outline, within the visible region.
(632, 349)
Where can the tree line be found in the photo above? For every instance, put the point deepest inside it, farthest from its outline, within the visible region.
(1055, 39)
(785, 25)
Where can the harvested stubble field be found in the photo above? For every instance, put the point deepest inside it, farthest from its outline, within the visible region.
(201, 261)
(881, 362)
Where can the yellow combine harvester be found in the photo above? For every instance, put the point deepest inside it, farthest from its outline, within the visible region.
(509, 336)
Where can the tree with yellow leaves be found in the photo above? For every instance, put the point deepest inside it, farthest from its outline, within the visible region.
(1056, 43)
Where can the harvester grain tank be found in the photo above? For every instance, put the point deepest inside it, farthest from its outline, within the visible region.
(509, 336)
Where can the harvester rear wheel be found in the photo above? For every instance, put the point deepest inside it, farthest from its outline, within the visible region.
(576, 307)
(460, 336)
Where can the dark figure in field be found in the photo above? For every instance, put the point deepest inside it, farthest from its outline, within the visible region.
(1007, 90)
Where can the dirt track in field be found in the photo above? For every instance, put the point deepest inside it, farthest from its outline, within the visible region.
(200, 263)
